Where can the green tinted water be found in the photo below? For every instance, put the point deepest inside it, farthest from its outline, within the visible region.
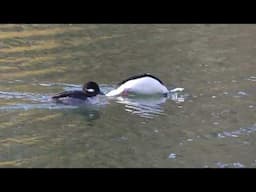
(213, 127)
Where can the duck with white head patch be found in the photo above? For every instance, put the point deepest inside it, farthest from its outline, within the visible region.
(87, 95)
(143, 84)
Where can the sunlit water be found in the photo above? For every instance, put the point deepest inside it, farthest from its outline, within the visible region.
(211, 123)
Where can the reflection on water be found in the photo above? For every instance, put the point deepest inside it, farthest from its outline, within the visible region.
(147, 107)
(24, 96)
(211, 123)
(239, 132)
(22, 106)
(89, 114)
(230, 165)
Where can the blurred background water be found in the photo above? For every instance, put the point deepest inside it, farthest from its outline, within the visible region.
(209, 124)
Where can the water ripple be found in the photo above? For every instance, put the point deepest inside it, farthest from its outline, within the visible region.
(22, 106)
(25, 96)
(230, 165)
(150, 107)
(144, 107)
(252, 78)
(237, 133)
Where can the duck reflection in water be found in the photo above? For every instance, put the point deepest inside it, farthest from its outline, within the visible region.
(148, 107)
(143, 107)
(89, 114)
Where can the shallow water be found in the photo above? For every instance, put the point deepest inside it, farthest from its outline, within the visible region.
(209, 124)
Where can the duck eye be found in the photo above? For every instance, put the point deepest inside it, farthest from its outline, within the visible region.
(90, 90)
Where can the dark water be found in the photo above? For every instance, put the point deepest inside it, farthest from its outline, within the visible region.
(209, 124)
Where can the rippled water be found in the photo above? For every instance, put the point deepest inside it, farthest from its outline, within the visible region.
(211, 123)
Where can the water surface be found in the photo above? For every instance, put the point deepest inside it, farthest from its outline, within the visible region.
(209, 124)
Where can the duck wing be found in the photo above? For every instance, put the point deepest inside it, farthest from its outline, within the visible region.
(73, 94)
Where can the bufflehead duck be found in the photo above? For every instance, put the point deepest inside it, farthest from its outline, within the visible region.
(143, 84)
(89, 91)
